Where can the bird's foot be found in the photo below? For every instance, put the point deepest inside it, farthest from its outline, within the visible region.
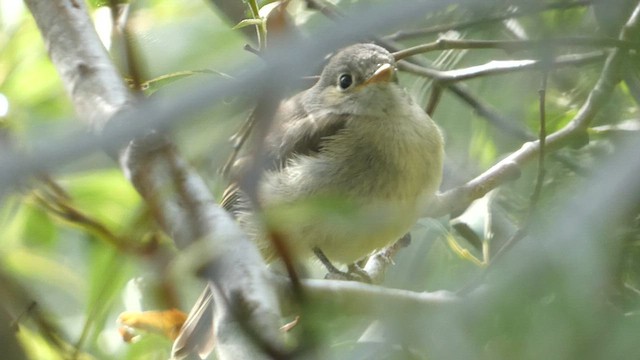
(358, 274)
(354, 273)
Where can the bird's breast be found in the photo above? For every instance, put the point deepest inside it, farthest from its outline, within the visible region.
(365, 186)
(398, 157)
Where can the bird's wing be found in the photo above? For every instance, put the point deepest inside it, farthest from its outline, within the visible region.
(295, 132)
(299, 132)
(196, 335)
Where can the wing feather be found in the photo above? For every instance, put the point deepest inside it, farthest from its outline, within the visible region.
(295, 132)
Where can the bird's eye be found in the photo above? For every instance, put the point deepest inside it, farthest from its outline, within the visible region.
(344, 81)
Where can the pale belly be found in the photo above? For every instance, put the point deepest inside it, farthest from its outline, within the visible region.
(357, 199)
(344, 233)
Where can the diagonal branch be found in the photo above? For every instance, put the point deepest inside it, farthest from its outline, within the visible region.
(575, 131)
(177, 196)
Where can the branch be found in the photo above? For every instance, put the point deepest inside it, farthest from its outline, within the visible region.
(488, 112)
(400, 35)
(81, 61)
(514, 45)
(359, 298)
(377, 263)
(497, 67)
(459, 198)
(177, 196)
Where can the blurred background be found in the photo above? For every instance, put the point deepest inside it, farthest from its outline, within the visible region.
(78, 246)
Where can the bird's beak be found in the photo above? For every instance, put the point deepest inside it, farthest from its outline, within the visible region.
(385, 73)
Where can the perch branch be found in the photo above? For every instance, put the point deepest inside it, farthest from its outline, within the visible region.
(359, 298)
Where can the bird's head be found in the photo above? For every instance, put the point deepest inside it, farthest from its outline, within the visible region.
(358, 79)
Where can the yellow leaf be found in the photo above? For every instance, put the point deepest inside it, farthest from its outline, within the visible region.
(167, 323)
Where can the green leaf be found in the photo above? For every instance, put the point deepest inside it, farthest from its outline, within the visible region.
(38, 229)
(103, 194)
(44, 268)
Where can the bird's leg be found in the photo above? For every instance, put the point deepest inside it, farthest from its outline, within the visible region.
(357, 273)
(326, 262)
(335, 273)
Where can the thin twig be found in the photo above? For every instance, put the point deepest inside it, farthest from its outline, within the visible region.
(114, 268)
(535, 196)
(488, 112)
(64, 209)
(498, 67)
(261, 29)
(238, 140)
(575, 130)
(609, 78)
(542, 138)
(132, 61)
(434, 99)
(506, 125)
(354, 297)
(406, 34)
(515, 45)
(327, 9)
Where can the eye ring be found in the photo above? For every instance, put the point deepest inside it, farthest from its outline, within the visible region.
(345, 81)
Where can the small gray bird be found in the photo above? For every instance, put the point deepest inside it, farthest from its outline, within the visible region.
(354, 161)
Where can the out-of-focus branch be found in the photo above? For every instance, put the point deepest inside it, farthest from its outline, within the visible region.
(354, 297)
(177, 196)
(8, 339)
(235, 11)
(523, 230)
(81, 60)
(542, 138)
(485, 110)
(561, 5)
(16, 305)
(459, 198)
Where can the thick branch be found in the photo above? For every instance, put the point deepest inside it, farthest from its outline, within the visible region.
(95, 89)
(359, 298)
(176, 194)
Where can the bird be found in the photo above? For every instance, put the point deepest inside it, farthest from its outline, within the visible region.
(351, 164)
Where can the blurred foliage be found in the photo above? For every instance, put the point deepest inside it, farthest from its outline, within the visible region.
(80, 277)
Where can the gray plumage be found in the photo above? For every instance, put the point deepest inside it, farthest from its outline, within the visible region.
(368, 148)
(353, 162)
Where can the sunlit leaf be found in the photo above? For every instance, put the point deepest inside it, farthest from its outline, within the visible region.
(167, 322)
(104, 194)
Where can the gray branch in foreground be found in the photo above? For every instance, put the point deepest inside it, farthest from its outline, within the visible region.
(359, 298)
(87, 72)
(177, 196)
